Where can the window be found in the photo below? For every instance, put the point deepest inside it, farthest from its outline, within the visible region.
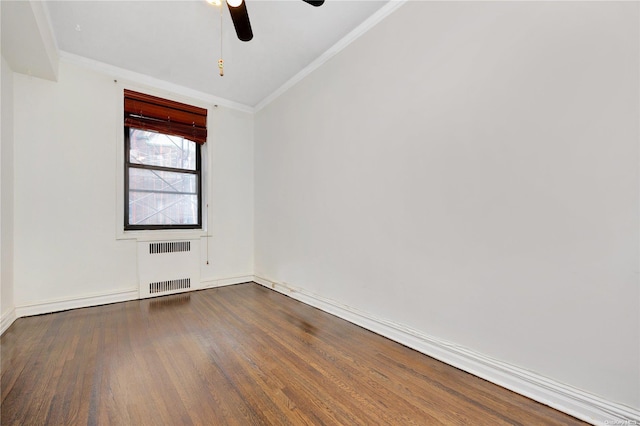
(162, 176)
(163, 181)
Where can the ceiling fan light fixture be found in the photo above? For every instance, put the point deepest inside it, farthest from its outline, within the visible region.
(234, 3)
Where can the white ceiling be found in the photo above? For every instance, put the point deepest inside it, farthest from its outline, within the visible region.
(179, 41)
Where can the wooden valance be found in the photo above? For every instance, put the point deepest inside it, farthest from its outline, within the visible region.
(155, 114)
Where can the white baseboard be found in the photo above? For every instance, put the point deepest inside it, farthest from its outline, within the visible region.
(578, 403)
(7, 319)
(49, 306)
(220, 282)
(57, 305)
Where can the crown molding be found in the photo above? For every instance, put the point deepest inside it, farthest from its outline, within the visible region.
(361, 29)
(143, 79)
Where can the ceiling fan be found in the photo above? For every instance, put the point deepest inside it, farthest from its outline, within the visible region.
(240, 17)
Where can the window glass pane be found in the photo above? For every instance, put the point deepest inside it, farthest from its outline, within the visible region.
(163, 209)
(157, 149)
(144, 180)
(162, 198)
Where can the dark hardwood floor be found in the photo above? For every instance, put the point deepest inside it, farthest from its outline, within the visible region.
(240, 355)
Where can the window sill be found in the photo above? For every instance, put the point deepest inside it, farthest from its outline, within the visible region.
(162, 235)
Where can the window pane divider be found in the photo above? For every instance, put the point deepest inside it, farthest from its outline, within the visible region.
(161, 168)
(153, 191)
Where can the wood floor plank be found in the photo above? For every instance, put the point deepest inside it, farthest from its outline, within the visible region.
(236, 355)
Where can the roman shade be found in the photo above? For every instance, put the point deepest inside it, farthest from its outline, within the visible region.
(155, 114)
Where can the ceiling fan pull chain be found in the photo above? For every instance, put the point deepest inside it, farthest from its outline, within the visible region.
(221, 61)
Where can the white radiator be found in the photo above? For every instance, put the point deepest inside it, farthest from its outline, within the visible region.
(168, 267)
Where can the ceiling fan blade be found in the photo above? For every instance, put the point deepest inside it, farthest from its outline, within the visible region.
(315, 3)
(240, 19)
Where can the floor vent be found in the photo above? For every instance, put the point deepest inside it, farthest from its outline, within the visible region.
(169, 247)
(171, 285)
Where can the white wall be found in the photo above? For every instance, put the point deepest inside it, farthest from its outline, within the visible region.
(6, 194)
(231, 199)
(67, 140)
(470, 170)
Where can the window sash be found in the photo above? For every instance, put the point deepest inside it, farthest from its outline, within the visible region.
(127, 190)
